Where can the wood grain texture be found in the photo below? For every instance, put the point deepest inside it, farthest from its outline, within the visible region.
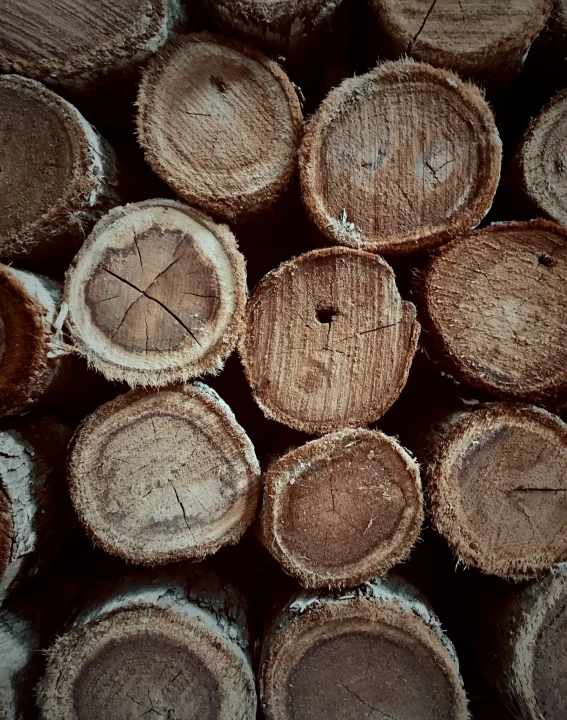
(375, 651)
(328, 341)
(163, 476)
(495, 308)
(342, 509)
(156, 294)
(402, 158)
(220, 123)
(58, 174)
(497, 487)
(484, 39)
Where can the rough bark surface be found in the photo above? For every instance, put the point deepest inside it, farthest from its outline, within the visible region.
(376, 651)
(156, 294)
(497, 486)
(163, 476)
(58, 174)
(220, 123)
(34, 506)
(19, 647)
(484, 39)
(328, 342)
(174, 646)
(495, 308)
(402, 158)
(342, 509)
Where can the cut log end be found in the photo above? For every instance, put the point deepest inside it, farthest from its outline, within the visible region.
(542, 161)
(496, 309)
(402, 158)
(159, 477)
(220, 123)
(342, 509)
(156, 294)
(328, 341)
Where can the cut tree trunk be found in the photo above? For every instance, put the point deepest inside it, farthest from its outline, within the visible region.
(33, 357)
(342, 509)
(163, 476)
(20, 648)
(377, 651)
(486, 40)
(35, 516)
(174, 646)
(156, 294)
(400, 159)
(495, 308)
(524, 652)
(328, 342)
(497, 486)
(220, 142)
(58, 175)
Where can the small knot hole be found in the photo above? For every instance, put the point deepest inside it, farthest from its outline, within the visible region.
(325, 315)
(545, 260)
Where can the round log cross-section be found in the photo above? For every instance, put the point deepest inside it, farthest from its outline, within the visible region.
(156, 294)
(220, 123)
(495, 307)
(163, 476)
(328, 342)
(497, 485)
(402, 158)
(377, 652)
(342, 509)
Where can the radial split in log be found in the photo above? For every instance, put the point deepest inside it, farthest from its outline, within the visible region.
(153, 648)
(497, 485)
(342, 509)
(496, 309)
(525, 656)
(484, 39)
(75, 42)
(283, 26)
(163, 476)
(402, 158)
(58, 175)
(156, 294)
(220, 123)
(329, 342)
(377, 651)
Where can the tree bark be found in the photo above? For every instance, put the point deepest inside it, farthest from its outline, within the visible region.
(377, 650)
(328, 341)
(163, 476)
(495, 310)
(497, 487)
(342, 509)
(173, 645)
(223, 144)
(50, 147)
(156, 294)
(400, 159)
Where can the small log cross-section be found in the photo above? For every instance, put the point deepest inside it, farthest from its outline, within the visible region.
(525, 656)
(156, 294)
(328, 342)
(75, 43)
(58, 175)
(495, 308)
(402, 158)
(342, 509)
(286, 26)
(497, 485)
(220, 123)
(163, 476)
(34, 507)
(484, 39)
(376, 651)
(540, 162)
(160, 647)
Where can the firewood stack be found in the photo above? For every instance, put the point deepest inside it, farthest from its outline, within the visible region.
(283, 359)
